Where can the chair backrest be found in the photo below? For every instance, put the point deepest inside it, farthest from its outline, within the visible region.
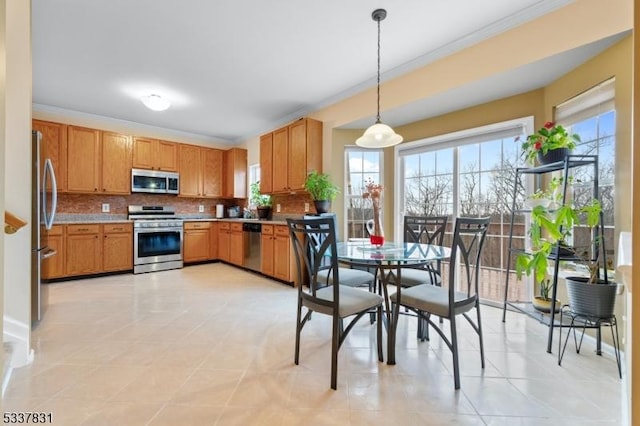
(315, 250)
(468, 241)
(425, 230)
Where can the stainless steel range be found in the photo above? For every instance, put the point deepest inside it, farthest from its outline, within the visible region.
(157, 238)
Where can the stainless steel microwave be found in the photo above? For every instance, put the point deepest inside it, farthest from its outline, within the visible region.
(155, 182)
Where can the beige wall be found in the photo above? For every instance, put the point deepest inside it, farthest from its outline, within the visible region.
(17, 168)
(3, 84)
(633, 352)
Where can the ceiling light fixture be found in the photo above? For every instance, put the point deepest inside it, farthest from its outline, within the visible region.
(378, 135)
(155, 102)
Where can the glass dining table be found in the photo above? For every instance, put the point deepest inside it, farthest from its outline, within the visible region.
(394, 257)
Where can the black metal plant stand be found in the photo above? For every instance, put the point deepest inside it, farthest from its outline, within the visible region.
(570, 162)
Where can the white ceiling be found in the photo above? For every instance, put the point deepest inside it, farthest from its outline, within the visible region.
(235, 69)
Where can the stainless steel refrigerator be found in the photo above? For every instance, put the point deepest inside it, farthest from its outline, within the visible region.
(43, 209)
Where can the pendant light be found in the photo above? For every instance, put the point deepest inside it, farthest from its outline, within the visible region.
(378, 135)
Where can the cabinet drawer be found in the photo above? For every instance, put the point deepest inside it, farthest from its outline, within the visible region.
(282, 231)
(56, 230)
(236, 227)
(224, 226)
(267, 229)
(197, 225)
(116, 228)
(83, 229)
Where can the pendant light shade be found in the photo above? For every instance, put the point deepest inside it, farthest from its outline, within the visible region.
(379, 135)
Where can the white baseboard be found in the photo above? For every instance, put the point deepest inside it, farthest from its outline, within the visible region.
(19, 334)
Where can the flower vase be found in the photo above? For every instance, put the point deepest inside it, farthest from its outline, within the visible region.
(374, 226)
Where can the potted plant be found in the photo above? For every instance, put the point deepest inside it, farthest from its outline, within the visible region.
(550, 144)
(321, 190)
(591, 295)
(261, 201)
(549, 229)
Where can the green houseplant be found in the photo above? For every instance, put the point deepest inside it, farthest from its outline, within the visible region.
(548, 231)
(321, 190)
(261, 201)
(549, 144)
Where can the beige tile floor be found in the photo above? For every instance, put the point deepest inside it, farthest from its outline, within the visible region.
(213, 345)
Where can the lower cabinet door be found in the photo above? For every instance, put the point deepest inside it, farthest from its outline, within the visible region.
(83, 254)
(197, 245)
(117, 252)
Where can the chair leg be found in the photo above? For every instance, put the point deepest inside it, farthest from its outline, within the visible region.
(335, 341)
(454, 350)
(480, 334)
(379, 336)
(298, 331)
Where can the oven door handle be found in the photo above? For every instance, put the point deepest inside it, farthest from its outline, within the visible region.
(154, 230)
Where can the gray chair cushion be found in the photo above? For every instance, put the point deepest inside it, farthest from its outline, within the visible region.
(348, 276)
(413, 277)
(433, 299)
(352, 301)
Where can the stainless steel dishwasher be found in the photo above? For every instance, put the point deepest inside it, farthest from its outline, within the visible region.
(253, 245)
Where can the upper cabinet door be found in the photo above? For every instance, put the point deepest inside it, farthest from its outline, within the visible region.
(266, 163)
(280, 159)
(212, 171)
(54, 147)
(235, 177)
(116, 163)
(167, 156)
(297, 155)
(190, 181)
(143, 153)
(85, 156)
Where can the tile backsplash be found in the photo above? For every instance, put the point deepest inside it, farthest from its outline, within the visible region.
(92, 204)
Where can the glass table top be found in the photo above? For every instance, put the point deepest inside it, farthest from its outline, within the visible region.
(390, 252)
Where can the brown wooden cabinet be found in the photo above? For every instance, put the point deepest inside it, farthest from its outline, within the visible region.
(155, 154)
(282, 254)
(115, 163)
(117, 247)
(200, 171)
(280, 160)
(267, 253)
(84, 156)
(83, 252)
(53, 267)
(296, 150)
(54, 147)
(213, 247)
(235, 173)
(101, 161)
(189, 167)
(266, 163)
(212, 172)
(224, 240)
(237, 244)
(197, 241)
(277, 259)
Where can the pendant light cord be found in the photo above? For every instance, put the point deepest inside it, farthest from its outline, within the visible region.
(378, 114)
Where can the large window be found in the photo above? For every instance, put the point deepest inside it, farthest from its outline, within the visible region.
(592, 115)
(361, 165)
(469, 173)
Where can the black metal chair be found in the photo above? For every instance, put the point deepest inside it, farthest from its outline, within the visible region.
(449, 302)
(423, 230)
(352, 277)
(315, 250)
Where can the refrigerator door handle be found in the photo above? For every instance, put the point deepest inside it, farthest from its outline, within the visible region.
(49, 253)
(49, 216)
